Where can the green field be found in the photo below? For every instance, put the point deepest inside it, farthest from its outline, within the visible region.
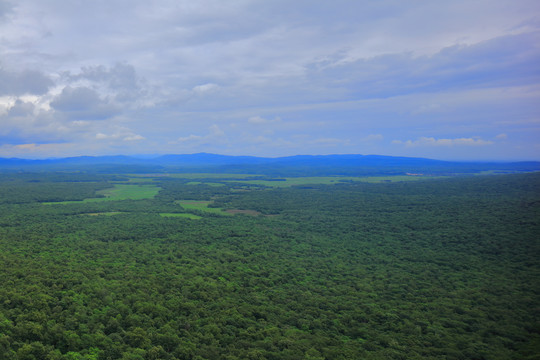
(329, 180)
(201, 206)
(119, 192)
(247, 179)
(129, 192)
(140, 179)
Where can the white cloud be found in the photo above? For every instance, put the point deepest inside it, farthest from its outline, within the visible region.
(216, 131)
(205, 88)
(257, 120)
(214, 134)
(190, 138)
(261, 120)
(134, 137)
(116, 132)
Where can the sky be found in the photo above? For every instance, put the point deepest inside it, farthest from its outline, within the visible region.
(450, 80)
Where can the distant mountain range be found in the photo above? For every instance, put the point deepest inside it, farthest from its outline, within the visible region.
(300, 165)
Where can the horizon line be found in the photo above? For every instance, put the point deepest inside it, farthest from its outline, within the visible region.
(156, 156)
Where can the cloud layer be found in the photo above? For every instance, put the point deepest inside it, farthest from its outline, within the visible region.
(253, 77)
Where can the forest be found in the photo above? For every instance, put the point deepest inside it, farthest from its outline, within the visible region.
(97, 266)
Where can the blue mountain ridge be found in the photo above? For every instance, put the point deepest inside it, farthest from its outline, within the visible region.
(288, 165)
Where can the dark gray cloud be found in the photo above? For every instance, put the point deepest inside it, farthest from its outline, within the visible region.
(6, 7)
(490, 63)
(121, 76)
(21, 108)
(120, 80)
(83, 103)
(24, 123)
(24, 82)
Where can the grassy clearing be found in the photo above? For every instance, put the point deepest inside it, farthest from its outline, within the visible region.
(398, 178)
(247, 179)
(141, 179)
(183, 215)
(287, 182)
(201, 206)
(119, 192)
(328, 180)
(212, 176)
(128, 192)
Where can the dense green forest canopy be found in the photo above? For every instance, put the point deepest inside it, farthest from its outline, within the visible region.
(158, 269)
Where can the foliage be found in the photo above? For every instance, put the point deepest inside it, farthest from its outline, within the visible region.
(201, 206)
(439, 269)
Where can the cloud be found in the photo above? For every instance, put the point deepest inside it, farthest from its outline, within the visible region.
(134, 137)
(214, 134)
(119, 76)
(76, 99)
(259, 140)
(82, 103)
(21, 108)
(491, 63)
(430, 141)
(205, 88)
(34, 150)
(261, 120)
(190, 138)
(340, 70)
(257, 120)
(25, 82)
(120, 82)
(215, 131)
(25, 122)
(115, 133)
(6, 7)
